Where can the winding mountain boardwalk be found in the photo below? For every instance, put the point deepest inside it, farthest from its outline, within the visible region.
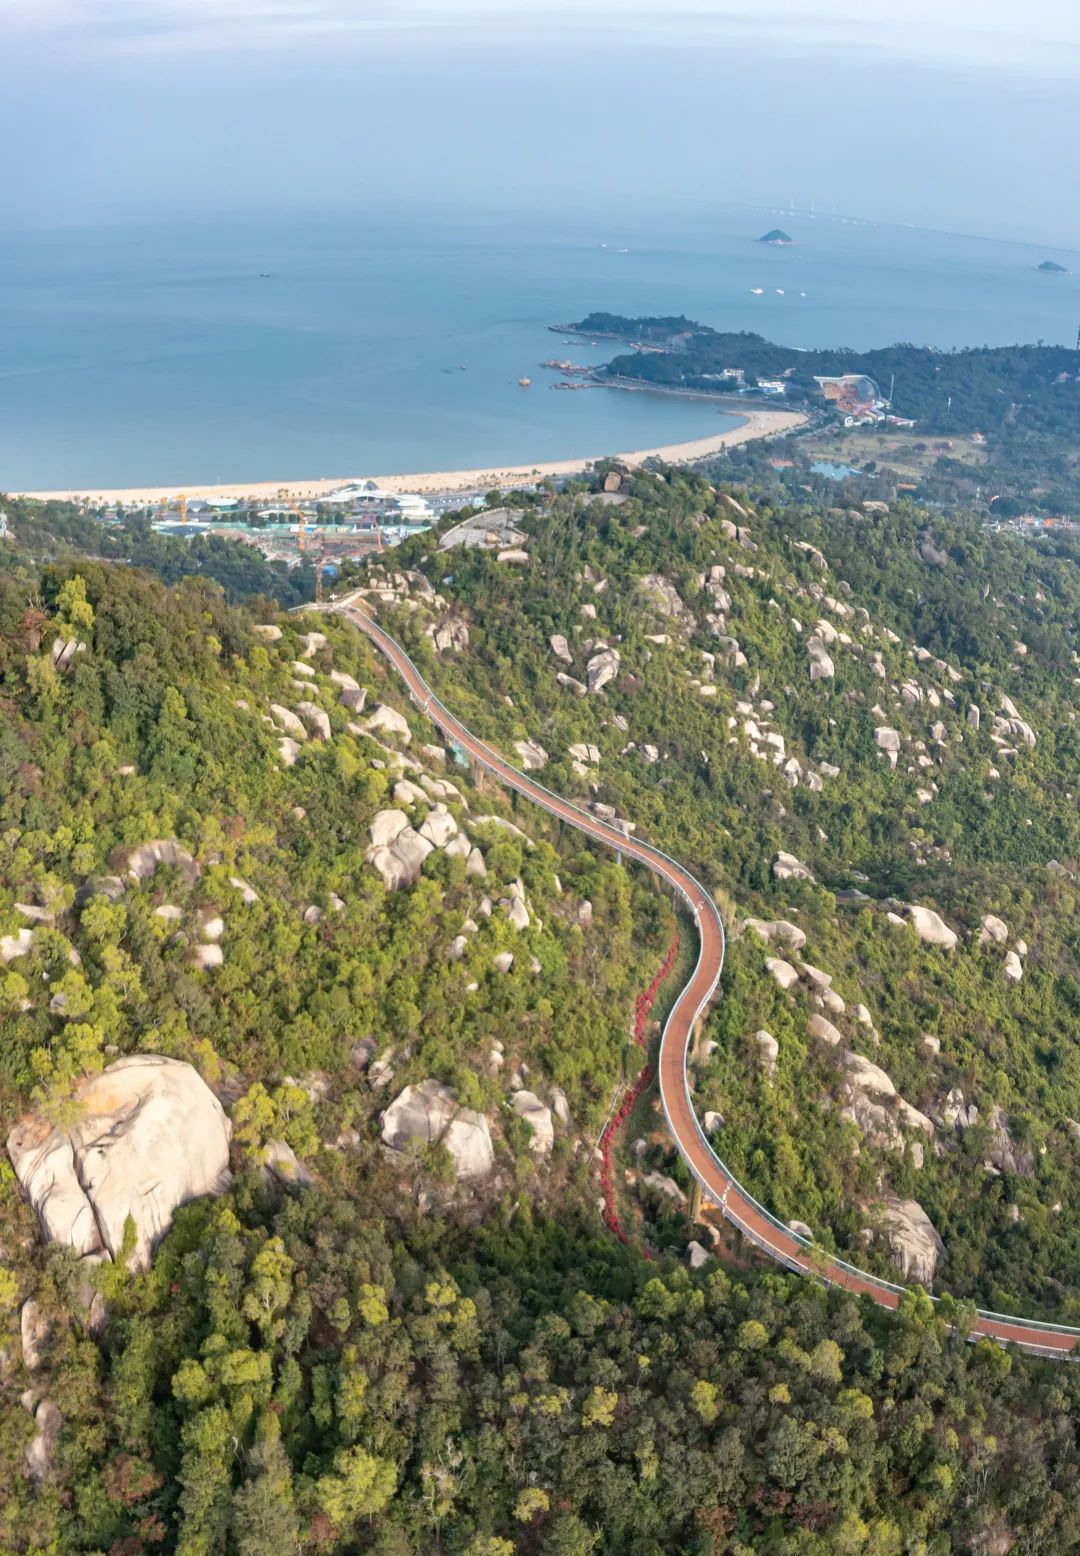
(737, 1204)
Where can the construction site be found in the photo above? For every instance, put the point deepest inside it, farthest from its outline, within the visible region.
(351, 523)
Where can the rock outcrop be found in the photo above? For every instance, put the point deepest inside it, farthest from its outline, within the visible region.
(34, 1332)
(42, 1446)
(768, 1051)
(913, 1239)
(662, 593)
(316, 719)
(387, 721)
(401, 861)
(787, 868)
(930, 927)
(602, 668)
(450, 635)
(820, 1027)
(782, 971)
(144, 860)
(993, 931)
(428, 1112)
(150, 1135)
(527, 1105)
(285, 719)
(821, 665)
(888, 740)
(778, 929)
(532, 754)
(16, 945)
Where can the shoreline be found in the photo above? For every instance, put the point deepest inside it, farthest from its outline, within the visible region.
(755, 424)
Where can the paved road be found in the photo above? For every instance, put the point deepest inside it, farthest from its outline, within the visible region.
(737, 1204)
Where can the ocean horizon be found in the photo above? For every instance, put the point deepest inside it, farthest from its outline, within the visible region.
(227, 350)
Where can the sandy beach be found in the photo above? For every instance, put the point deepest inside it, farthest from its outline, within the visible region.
(755, 424)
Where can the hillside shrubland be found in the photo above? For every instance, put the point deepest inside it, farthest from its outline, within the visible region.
(230, 844)
(889, 702)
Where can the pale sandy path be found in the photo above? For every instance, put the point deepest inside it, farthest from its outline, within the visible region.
(755, 424)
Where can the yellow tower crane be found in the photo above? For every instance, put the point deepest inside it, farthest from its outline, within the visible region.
(301, 540)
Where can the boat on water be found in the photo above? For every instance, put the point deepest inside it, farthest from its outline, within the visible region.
(779, 291)
(757, 291)
(524, 382)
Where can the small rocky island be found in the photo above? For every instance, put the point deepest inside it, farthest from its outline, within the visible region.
(777, 237)
(1052, 268)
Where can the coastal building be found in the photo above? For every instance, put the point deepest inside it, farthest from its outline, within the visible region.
(366, 497)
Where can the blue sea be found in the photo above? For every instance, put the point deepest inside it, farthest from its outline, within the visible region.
(227, 350)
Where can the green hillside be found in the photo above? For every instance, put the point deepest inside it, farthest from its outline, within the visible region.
(355, 1346)
(713, 737)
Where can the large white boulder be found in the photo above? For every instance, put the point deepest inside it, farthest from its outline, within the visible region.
(868, 1076)
(561, 648)
(662, 593)
(821, 665)
(34, 1332)
(820, 1027)
(428, 1112)
(346, 682)
(768, 1050)
(931, 927)
(602, 668)
(527, 1105)
(149, 1136)
(888, 740)
(287, 720)
(450, 635)
(42, 1446)
(913, 1239)
(787, 868)
(408, 793)
(1014, 967)
(316, 719)
(778, 929)
(782, 971)
(438, 827)
(532, 754)
(400, 863)
(16, 945)
(144, 860)
(389, 721)
(385, 826)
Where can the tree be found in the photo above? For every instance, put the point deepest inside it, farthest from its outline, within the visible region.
(263, 1519)
(361, 1484)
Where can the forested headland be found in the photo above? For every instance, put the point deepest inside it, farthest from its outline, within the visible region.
(986, 388)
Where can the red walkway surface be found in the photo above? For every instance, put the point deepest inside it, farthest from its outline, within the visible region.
(644, 1080)
(737, 1204)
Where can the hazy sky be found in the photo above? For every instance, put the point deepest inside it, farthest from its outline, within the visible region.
(943, 112)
